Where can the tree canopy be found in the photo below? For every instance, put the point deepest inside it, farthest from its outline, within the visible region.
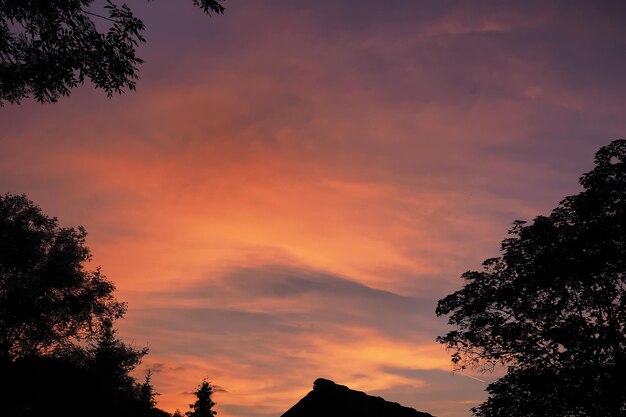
(48, 47)
(552, 307)
(48, 299)
(59, 352)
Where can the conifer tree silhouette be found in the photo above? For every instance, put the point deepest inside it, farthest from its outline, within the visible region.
(204, 403)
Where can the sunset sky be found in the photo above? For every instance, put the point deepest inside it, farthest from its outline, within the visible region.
(295, 184)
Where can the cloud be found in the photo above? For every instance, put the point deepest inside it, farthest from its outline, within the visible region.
(271, 320)
(437, 391)
(292, 187)
(311, 297)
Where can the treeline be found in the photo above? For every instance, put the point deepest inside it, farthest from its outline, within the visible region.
(59, 351)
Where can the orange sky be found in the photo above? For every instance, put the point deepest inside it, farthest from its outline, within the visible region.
(293, 187)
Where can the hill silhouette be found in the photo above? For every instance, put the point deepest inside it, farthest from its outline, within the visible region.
(329, 399)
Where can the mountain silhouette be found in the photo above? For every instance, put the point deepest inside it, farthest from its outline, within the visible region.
(332, 400)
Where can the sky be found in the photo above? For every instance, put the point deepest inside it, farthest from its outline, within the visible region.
(294, 185)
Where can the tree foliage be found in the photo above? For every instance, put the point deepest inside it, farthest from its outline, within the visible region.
(48, 300)
(93, 382)
(552, 307)
(59, 351)
(111, 361)
(203, 406)
(147, 394)
(572, 392)
(48, 47)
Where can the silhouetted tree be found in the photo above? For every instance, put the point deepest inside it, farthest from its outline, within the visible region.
(204, 404)
(110, 362)
(552, 308)
(48, 300)
(147, 394)
(59, 352)
(571, 392)
(49, 47)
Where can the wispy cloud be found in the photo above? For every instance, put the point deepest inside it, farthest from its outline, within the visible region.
(293, 186)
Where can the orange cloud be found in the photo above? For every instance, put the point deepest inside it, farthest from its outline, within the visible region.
(292, 188)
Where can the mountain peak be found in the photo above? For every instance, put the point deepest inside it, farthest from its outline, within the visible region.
(329, 399)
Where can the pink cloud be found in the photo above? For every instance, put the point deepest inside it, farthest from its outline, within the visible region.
(388, 150)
